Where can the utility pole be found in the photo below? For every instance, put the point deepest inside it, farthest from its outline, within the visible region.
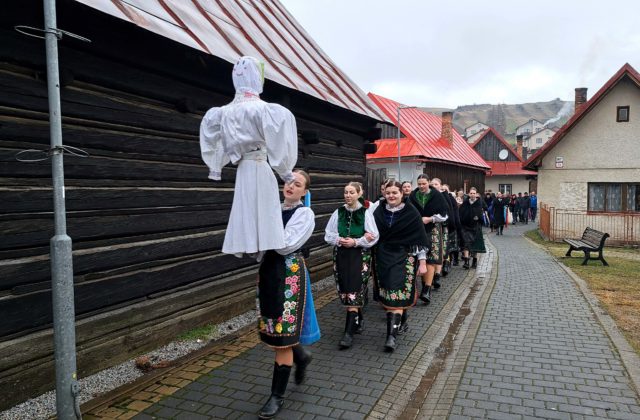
(64, 331)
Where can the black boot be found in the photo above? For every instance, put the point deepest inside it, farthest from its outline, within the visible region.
(466, 263)
(404, 327)
(456, 261)
(474, 263)
(278, 387)
(360, 322)
(349, 329)
(446, 267)
(436, 281)
(393, 324)
(501, 228)
(302, 358)
(425, 295)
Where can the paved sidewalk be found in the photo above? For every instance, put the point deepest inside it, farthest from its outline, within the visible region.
(539, 351)
(234, 380)
(513, 339)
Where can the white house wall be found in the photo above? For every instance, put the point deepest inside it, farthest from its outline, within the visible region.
(409, 171)
(518, 183)
(597, 149)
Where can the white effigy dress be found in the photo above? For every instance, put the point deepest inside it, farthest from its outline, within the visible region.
(257, 136)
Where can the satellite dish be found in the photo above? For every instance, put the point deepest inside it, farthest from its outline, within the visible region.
(504, 153)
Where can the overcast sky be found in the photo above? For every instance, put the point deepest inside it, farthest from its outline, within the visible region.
(451, 53)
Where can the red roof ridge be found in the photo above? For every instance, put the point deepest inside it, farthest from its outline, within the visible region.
(625, 70)
(423, 133)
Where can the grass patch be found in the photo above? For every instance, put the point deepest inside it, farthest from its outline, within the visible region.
(203, 333)
(617, 287)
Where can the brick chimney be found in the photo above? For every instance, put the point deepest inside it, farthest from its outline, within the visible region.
(581, 98)
(519, 145)
(447, 134)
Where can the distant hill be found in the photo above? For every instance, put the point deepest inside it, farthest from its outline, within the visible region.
(506, 118)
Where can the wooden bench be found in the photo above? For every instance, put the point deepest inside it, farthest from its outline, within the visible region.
(592, 240)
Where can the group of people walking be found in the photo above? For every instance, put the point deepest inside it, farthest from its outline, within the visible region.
(402, 245)
(407, 239)
(503, 209)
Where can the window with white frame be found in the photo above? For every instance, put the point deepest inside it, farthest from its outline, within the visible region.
(504, 188)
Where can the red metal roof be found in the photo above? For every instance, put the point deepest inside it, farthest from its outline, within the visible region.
(625, 71)
(423, 137)
(508, 168)
(264, 29)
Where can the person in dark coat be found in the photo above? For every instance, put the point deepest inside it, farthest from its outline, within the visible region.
(452, 229)
(434, 210)
(471, 221)
(513, 206)
(499, 205)
(525, 203)
(401, 254)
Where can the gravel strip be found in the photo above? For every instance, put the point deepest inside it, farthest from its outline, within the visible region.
(44, 406)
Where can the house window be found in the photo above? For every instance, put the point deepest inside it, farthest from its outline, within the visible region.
(622, 114)
(504, 188)
(539, 140)
(610, 197)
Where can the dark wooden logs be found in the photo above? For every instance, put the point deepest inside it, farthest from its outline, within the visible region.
(146, 223)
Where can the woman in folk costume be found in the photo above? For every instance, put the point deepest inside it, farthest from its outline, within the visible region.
(285, 304)
(400, 258)
(451, 226)
(437, 184)
(352, 232)
(471, 220)
(500, 205)
(257, 136)
(433, 209)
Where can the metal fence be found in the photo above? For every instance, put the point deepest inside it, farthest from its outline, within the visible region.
(557, 224)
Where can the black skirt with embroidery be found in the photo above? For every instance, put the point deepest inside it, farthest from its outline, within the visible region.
(396, 269)
(281, 298)
(352, 271)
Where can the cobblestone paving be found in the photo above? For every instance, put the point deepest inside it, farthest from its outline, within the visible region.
(340, 384)
(539, 352)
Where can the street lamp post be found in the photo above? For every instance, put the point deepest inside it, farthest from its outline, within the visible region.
(400, 108)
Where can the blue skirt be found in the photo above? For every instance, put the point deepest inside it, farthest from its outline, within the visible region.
(310, 329)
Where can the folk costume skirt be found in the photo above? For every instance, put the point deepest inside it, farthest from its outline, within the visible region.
(352, 271)
(396, 271)
(436, 251)
(473, 240)
(284, 296)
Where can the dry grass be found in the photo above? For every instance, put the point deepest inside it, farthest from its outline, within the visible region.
(617, 287)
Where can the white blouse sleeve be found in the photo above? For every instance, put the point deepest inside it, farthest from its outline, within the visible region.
(331, 235)
(370, 227)
(211, 146)
(298, 230)
(281, 135)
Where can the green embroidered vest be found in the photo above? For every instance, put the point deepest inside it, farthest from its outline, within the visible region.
(351, 224)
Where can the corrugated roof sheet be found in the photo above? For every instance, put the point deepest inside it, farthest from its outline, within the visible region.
(625, 71)
(423, 137)
(264, 29)
(508, 168)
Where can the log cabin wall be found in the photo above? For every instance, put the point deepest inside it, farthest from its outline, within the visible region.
(456, 176)
(146, 223)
